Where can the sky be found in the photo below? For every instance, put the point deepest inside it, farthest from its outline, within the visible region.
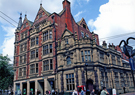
(112, 20)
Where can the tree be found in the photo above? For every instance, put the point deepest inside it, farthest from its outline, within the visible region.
(6, 73)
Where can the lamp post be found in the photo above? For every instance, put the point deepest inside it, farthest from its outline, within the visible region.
(128, 51)
(86, 64)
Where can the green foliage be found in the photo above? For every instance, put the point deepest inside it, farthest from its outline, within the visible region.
(6, 73)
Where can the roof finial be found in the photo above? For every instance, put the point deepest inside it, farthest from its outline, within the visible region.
(41, 3)
(65, 25)
(20, 16)
(25, 14)
(20, 21)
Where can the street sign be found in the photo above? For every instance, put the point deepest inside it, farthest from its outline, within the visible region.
(132, 64)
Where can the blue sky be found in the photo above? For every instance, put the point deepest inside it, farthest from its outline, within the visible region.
(105, 17)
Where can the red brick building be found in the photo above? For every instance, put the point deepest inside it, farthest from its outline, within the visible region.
(53, 50)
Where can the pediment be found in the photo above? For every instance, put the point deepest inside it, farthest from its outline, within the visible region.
(66, 33)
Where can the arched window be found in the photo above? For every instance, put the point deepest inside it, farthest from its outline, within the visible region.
(68, 60)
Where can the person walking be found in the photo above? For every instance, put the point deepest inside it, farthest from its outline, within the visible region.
(75, 92)
(104, 91)
(82, 92)
(93, 92)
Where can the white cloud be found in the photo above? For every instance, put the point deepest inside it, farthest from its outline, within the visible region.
(91, 23)
(8, 46)
(13, 8)
(116, 17)
(77, 16)
(87, 0)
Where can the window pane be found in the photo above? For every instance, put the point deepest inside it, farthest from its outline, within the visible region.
(70, 86)
(72, 75)
(89, 58)
(82, 53)
(37, 68)
(68, 60)
(82, 59)
(88, 52)
(67, 87)
(72, 80)
(85, 52)
(67, 80)
(69, 75)
(66, 76)
(36, 40)
(86, 59)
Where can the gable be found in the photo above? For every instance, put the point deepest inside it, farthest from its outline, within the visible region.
(25, 23)
(66, 33)
(83, 24)
(41, 13)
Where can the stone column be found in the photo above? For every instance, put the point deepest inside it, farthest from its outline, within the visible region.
(62, 83)
(21, 87)
(83, 77)
(97, 77)
(28, 87)
(119, 79)
(45, 85)
(14, 87)
(79, 77)
(76, 77)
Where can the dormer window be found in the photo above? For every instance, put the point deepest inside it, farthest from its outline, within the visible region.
(66, 41)
(37, 27)
(68, 60)
(84, 26)
(40, 15)
(82, 34)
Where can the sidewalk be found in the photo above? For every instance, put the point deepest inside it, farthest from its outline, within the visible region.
(133, 93)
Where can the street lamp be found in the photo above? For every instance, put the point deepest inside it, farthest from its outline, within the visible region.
(86, 64)
(128, 51)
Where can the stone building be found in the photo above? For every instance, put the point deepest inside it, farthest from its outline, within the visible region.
(52, 53)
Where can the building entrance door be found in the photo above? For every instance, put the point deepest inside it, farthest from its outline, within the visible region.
(32, 88)
(24, 90)
(41, 86)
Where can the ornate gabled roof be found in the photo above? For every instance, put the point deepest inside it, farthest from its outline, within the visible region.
(31, 23)
(66, 30)
(44, 10)
(79, 22)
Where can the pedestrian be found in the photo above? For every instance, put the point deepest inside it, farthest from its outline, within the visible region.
(82, 92)
(104, 91)
(124, 89)
(75, 92)
(12, 92)
(19, 92)
(93, 92)
(9, 92)
(89, 86)
(55, 93)
(49, 92)
(38, 92)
